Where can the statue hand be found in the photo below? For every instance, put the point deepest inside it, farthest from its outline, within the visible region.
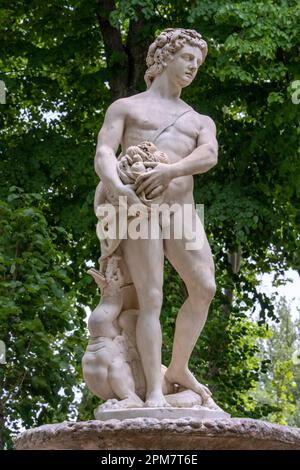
(154, 181)
(128, 191)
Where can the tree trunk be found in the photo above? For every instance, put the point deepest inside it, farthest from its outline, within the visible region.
(126, 62)
(116, 57)
(138, 40)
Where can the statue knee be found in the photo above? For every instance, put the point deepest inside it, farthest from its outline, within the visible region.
(202, 286)
(210, 288)
(151, 297)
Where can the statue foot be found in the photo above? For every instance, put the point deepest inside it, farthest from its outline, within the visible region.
(186, 379)
(129, 402)
(156, 400)
(211, 404)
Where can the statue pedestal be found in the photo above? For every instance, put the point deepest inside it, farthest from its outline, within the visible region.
(161, 434)
(160, 413)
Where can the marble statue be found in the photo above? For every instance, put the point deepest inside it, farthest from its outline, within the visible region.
(164, 143)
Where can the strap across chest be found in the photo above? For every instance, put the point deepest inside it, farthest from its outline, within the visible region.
(169, 124)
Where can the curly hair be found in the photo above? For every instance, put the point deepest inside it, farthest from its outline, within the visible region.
(166, 45)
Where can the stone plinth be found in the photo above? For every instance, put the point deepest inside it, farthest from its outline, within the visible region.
(171, 413)
(165, 434)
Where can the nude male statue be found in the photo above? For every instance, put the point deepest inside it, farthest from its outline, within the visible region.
(191, 146)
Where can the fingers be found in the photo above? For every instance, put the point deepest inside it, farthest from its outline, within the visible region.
(144, 185)
(150, 164)
(156, 192)
(150, 188)
(142, 177)
(132, 197)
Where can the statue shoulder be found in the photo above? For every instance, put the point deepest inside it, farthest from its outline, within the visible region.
(205, 122)
(122, 107)
(118, 107)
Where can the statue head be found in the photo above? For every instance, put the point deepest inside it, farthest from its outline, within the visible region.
(166, 45)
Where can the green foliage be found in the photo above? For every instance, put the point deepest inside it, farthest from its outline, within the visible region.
(39, 321)
(280, 384)
(174, 296)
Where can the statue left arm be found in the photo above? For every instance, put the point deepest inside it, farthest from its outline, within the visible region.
(204, 157)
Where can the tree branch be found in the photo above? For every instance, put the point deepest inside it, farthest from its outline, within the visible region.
(116, 56)
(135, 46)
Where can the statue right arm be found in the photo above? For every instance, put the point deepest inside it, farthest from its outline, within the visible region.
(106, 163)
(109, 139)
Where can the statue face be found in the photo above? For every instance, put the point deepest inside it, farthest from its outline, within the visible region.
(184, 66)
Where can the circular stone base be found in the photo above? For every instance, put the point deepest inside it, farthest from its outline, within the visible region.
(166, 434)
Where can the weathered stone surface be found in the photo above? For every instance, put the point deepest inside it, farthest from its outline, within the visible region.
(164, 142)
(172, 413)
(169, 434)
